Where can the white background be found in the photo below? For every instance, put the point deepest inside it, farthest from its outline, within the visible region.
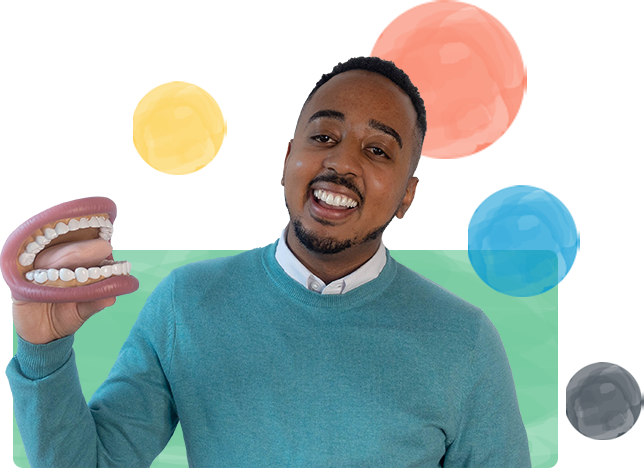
(612, 128)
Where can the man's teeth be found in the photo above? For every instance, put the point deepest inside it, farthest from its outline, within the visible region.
(334, 199)
(34, 248)
(80, 274)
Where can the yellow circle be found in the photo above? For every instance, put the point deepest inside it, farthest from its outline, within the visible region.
(178, 128)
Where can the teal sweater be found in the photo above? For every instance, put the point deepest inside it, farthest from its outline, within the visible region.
(262, 372)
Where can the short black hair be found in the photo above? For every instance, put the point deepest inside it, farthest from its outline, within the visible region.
(389, 70)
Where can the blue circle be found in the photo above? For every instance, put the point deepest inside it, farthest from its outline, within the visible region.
(518, 273)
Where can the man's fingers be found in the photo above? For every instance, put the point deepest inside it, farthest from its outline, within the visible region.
(87, 309)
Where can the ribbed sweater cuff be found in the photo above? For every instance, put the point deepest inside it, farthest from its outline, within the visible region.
(40, 360)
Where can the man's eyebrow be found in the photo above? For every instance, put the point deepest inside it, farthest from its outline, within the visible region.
(327, 113)
(386, 129)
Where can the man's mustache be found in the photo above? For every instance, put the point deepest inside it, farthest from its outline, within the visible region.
(337, 179)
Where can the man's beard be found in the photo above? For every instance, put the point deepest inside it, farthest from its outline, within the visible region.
(327, 245)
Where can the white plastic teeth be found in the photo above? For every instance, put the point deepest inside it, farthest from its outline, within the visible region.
(82, 275)
(94, 273)
(74, 225)
(34, 248)
(61, 228)
(334, 199)
(26, 259)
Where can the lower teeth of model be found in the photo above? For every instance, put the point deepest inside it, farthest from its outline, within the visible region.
(80, 274)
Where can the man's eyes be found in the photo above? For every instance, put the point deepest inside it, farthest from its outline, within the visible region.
(376, 151)
(322, 138)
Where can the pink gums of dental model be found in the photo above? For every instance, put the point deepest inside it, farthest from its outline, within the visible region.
(31, 235)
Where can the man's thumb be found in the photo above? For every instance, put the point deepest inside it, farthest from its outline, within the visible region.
(87, 309)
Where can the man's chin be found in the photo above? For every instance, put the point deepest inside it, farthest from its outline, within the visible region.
(319, 244)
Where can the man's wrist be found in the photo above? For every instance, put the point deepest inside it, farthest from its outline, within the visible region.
(40, 360)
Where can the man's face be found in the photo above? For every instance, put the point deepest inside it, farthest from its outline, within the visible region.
(347, 169)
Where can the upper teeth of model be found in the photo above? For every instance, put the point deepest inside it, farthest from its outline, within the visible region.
(334, 199)
(34, 248)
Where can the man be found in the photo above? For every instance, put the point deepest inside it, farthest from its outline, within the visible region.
(317, 351)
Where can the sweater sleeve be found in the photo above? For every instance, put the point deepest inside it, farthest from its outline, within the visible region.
(130, 418)
(491, 433)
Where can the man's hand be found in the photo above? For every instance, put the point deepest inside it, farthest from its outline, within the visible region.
(39, 322)
(64, 255)
(42, 322)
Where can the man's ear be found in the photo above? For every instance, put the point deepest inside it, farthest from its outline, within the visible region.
(288, 150)
(410, 191)
(288, 153)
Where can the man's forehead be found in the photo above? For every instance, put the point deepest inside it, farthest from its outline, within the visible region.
(360, 90)
(353, 83)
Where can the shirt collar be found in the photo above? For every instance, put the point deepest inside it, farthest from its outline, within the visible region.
(296, 270)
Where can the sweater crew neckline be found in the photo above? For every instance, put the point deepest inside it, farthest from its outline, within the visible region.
(299, 293)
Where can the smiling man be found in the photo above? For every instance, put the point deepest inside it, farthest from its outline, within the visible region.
(317, 351)
(349, 169)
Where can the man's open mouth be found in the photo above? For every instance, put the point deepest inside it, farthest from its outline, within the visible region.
(40, 261)
(332, 200)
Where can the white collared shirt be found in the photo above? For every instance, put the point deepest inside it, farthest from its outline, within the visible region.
(294, 268)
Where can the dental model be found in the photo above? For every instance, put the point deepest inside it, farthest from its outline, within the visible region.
(49, 239)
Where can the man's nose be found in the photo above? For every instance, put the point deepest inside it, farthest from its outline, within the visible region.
(345, 158)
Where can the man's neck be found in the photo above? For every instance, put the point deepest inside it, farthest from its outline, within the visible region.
(330, 267)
